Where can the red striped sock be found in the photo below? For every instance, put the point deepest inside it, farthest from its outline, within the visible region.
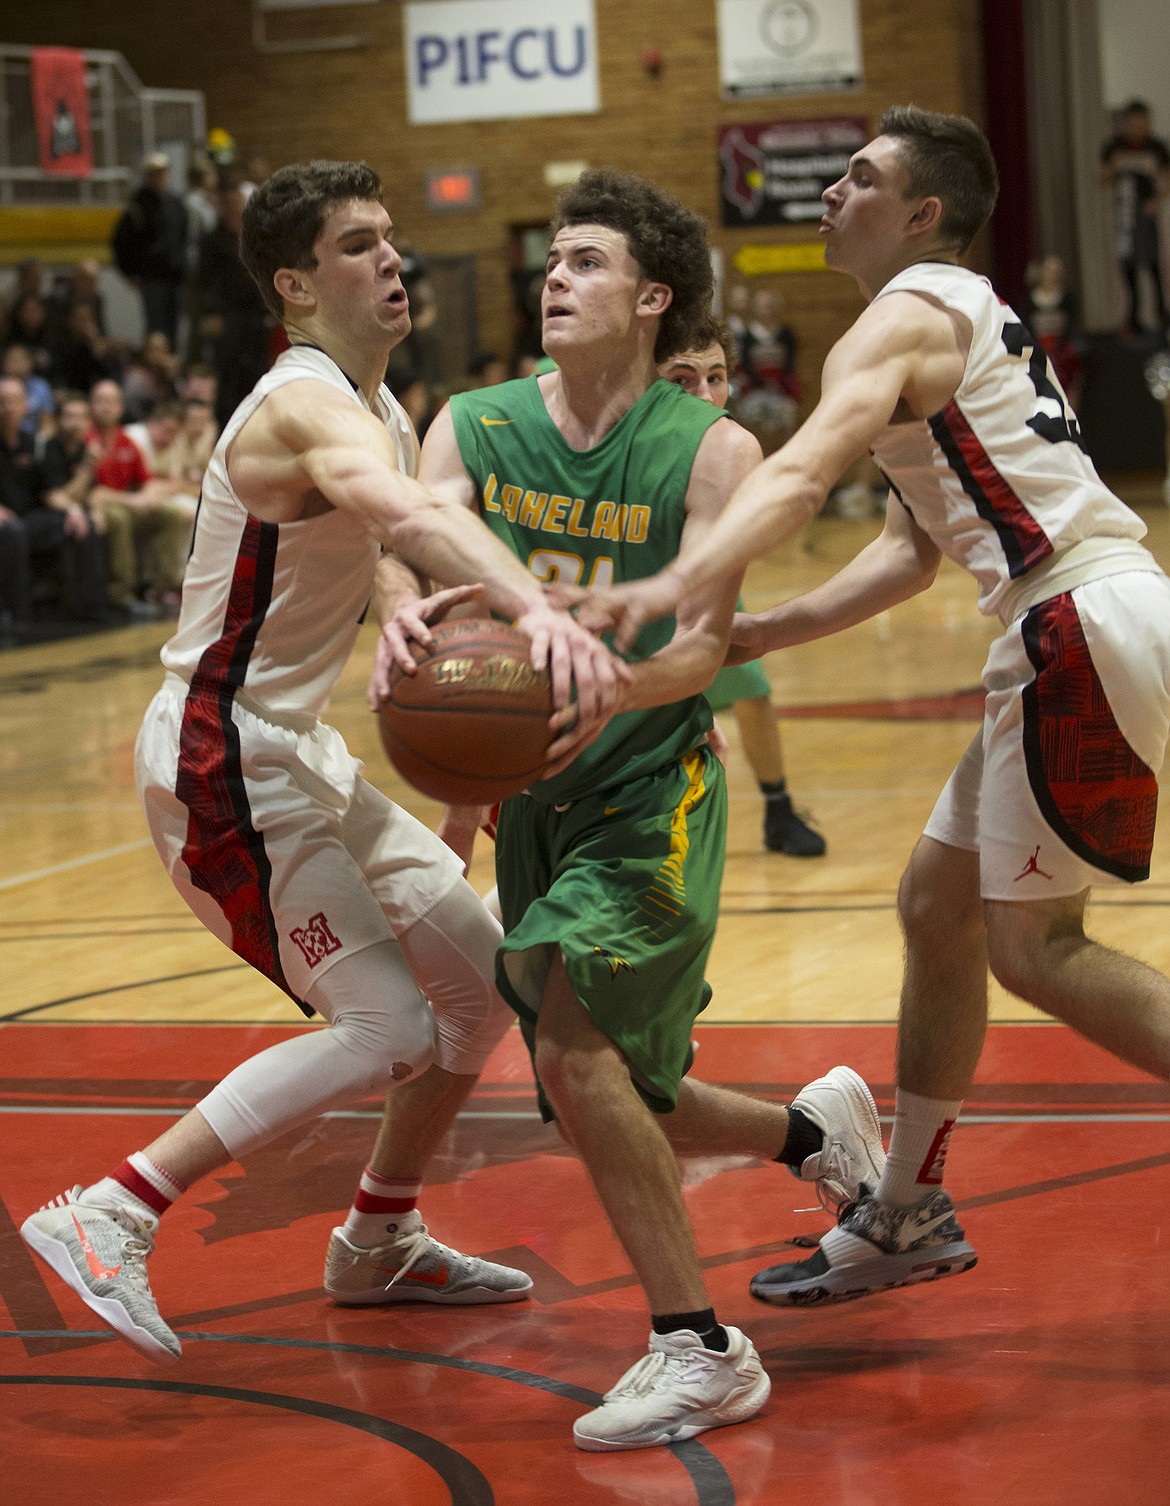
(139, 1184)
(379, 1206)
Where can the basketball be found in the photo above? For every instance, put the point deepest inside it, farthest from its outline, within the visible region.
(471, 727)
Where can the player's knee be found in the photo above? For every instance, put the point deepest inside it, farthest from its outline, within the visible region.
(570, 1075)
(466, 1036)
(935, 905)
(452, 953)
(394, 1043)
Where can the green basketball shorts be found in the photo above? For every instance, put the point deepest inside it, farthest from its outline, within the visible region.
(738, 682)
(626, 884)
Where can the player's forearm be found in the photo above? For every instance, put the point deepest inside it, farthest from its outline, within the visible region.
(438, 538)
(395, 584)
(768, 507)
(880, 577)
(453, 547)
(684, 667)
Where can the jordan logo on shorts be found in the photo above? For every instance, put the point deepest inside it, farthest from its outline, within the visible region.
(1032, 866)
(316, 940)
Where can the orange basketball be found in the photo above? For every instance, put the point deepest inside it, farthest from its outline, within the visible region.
(471, 727)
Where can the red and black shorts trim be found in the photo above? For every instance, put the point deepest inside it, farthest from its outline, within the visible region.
(224, 853)
(1097, 795)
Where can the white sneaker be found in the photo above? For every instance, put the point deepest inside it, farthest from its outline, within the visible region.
(101, 1253)
(850, 1161)
(677, 1390)
(413, 1267)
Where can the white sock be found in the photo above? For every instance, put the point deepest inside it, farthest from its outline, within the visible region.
(918, 1148)
(378, 1203)
(139, 1184)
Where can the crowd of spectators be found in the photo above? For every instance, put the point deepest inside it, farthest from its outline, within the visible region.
(103, 443)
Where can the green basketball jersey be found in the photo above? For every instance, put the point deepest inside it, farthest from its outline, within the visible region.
(593, 517)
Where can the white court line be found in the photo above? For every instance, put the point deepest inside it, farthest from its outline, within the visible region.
(36, 1108)
(93, 857)
(105, 1109)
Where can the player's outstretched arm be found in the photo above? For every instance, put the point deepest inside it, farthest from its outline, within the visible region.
(870, 369)
(898, 564)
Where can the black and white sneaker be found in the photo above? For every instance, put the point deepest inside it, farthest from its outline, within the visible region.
(874, 1247)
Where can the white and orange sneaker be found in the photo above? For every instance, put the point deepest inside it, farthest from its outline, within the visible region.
(101, 1253)
(413, 1267)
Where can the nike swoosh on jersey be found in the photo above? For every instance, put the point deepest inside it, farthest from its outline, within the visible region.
(492, 423)
(99, 1270)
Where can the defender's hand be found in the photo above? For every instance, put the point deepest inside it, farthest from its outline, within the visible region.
(409, 624)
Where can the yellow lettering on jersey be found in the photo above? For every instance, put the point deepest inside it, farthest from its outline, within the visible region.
(574, 524)
(557, 565)
(639, 525)
(509, 501)
(531, 509)
(491, 486)
(618, 526)
(553, 518)
(602, 519)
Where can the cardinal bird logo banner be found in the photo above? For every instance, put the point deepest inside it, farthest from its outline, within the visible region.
(61, 107)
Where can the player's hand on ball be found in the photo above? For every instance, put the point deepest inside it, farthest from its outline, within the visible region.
(574, 657)
(626, 609)
(409, 624)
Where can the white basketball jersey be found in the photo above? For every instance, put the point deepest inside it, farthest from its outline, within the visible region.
(999, 478)
(273, 609)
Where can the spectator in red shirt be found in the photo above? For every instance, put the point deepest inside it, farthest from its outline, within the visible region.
(147, 532)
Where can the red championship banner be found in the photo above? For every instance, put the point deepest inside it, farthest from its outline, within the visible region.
(61, 106)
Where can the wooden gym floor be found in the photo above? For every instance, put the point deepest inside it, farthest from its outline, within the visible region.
(1039, 1379)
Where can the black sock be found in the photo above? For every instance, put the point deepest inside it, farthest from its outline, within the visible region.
(712, 1334)
(804, 1139)
(773, 789)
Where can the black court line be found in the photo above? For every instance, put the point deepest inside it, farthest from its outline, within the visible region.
(467, 1486)
(712, 1484)
(131, 935)
(102, 920)
(120, 988)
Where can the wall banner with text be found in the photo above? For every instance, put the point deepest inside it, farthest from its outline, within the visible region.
(775, 173)
(500, 59)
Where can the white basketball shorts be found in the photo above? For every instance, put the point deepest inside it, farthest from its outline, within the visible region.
(274, 839)
(1059, 791)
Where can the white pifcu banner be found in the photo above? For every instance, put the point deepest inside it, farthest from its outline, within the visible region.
(499, 59)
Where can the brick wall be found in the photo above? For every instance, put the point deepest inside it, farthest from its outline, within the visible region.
(352, 104)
